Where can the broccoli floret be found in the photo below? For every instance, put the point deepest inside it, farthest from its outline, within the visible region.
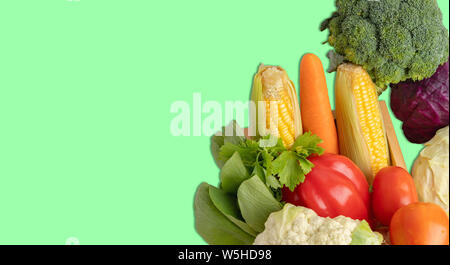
(394, 40)
(360, 38)
(383, 12)
(352, 7)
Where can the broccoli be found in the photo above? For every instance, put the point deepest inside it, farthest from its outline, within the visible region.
(394, 40)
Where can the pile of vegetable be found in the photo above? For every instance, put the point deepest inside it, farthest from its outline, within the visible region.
(301, 174)
(253, 171)
(249, 190)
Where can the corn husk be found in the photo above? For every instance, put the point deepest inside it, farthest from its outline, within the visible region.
(352, 141)
(258, 124)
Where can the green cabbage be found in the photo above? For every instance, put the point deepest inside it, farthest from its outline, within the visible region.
(431, 172)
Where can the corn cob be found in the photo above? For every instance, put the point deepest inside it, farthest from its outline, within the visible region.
(360, 127)
(277, 108)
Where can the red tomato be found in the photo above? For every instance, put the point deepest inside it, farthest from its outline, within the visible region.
(419, 223)
(335, 186)
(393, 188)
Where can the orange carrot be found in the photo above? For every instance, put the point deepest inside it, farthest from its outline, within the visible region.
(315, 105)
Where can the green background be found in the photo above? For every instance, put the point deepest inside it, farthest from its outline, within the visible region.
(85, 95)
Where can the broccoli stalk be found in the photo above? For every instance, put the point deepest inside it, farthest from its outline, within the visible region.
(394, 40)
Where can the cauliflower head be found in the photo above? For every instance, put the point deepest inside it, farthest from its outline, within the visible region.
(394, 40)
(296, 225)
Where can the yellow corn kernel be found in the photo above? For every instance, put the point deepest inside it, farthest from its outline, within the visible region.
(282, 113)
(361, 132)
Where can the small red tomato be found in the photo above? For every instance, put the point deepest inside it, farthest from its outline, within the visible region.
(419, 223)
(393, 188)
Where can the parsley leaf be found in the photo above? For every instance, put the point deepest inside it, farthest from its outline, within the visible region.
(267, 161)
(288, 169)
(292, 165)
(307, 144)
(306, 166)
(272, 182)
(248, 150)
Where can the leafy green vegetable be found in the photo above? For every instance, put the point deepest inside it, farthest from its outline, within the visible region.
(248, 150)
(237, 211)
(267, 159)
(233, 173)
(272, 182)
(260, 172)
(256, 202)
(227, 205)
(363, 235)
(216, 143)
(214, 227)
(231, 133)
(307, 144)
(292, 166)
(288, 169)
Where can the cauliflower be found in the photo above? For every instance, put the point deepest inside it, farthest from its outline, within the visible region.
(296, 225)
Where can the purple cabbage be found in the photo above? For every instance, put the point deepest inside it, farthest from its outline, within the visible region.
(422, 105)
